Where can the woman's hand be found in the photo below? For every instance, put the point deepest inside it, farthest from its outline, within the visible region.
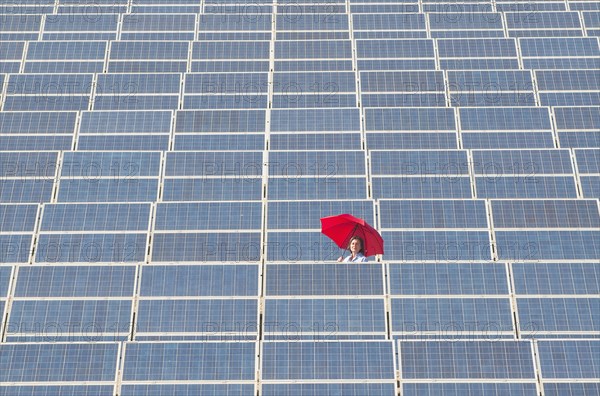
(340, 259)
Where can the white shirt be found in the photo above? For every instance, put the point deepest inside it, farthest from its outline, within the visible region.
(359, 258)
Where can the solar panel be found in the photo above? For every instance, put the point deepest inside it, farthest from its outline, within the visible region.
(326, 360)
(189, 361)
(66, 362)
(466, 360)
(446, 279)
(568, 359)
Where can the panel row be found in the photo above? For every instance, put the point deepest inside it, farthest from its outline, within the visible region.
(301, 302)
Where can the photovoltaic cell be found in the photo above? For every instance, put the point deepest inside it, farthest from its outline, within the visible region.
(350, 389)
(96, 217)
(66, 362)
(17, 218)
(588, 161)
(545, 214)
(108, 190)
(555, 389)
(467, 360)
(37, 122)
(189, 361)
(326, 360)
(489, 315)
(185, 389)
(238, 247)
(323, 279)
(471, 389)
(437, 245)
(547, 245)
(210, 215)
(447, 279)
(306, 214)
(48, 319)
(66, 390)
(75, 281)
(5, 278)
(90, 248)
(569, 359)
(556, 278)
(432, 214)
(199, 280)
(226, 317)
(126, 122)
(327, 316)
(559, 314)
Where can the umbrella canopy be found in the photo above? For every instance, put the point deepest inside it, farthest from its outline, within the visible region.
(342, 228)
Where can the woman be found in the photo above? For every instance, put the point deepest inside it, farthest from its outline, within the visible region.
(356, 247)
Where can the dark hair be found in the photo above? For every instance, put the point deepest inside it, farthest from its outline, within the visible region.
(362, 243)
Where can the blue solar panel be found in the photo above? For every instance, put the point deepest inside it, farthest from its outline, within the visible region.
(557, 279)
(547, 245)
(38, 122)
(329, 317)
(569, 359)
(545, 214)
(306, 214)
(461, 315)
(108, 190)
(559, 314)
(5, 279)
(75, 281)
(432, 214)
(439, 186)
(446, 279)
(237, 247)
(437, 245)
(471, 389)
(350, 389)
(96, 217)
(53, 320)
(505, 119)
(66, 390)
(315, 120)
(220, 121)
(323, 279)
(189, 361)
(222, 164)
(226, 318)
(213, 189)
(119, 166)
(321, 188)
(588, 161)
(419, 163)
(526, 186)
(431, 119)
(467, 360)
(590, 186)
(204, 216)
(199, 280)
(17, 218)
(64, 362)
(126, 122)
(183, 389)
(584, 389)
(90, 248)
(25, 190)
(326, 360)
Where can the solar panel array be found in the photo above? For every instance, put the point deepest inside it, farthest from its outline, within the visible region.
(164, 165)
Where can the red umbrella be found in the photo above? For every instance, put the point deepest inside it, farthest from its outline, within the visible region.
(342, 228)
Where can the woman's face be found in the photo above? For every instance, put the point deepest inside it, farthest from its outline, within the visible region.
(355, 246)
